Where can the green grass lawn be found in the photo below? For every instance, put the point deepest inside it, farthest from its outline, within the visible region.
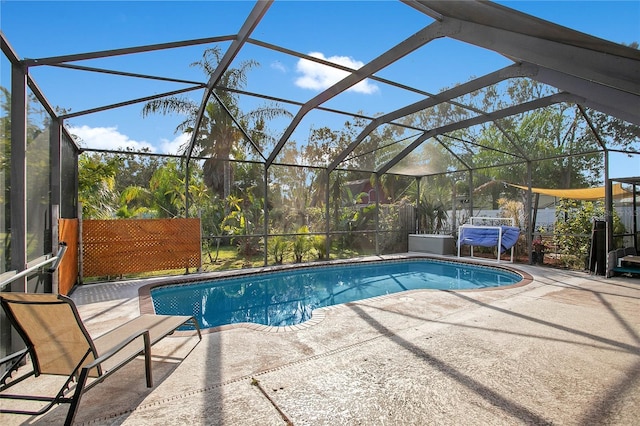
(227, 258)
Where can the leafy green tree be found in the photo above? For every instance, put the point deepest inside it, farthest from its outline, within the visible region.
(558, 132)
(156, 189)
(140, 168)
(96, 185)
(134, 202)
(574, 221)
(167, 187)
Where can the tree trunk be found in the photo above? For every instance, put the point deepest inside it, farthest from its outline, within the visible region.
(227, 184)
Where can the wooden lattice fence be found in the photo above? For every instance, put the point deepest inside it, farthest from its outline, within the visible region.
(129, 246)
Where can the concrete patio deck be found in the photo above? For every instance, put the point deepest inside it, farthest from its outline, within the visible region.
(562, 350)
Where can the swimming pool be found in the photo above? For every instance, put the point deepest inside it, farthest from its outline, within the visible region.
(288, 297)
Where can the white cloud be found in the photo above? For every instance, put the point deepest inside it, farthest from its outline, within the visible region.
(316, 76)
(107, 138)
(111, 139)
(175, 146)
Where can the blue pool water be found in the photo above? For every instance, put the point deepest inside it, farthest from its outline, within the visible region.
(288, 297)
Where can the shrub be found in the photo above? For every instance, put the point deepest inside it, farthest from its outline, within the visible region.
(278, 248)
(302, 244)
(319, 243)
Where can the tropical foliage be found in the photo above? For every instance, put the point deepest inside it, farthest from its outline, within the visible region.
(363, 212)
(574, 223)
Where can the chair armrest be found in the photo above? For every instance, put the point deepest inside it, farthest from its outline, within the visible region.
(82, 387)
(115, 350)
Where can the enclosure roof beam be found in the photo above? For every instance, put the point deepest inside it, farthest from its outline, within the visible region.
(488, 148)
(516, 70)
(429, 33)
(129, 74)
(7, 49)
(606, 99)
(11, 54)
(522, 37)
(320, 108)
(491, 166)
(456, 156)
(493, 116)
(258, 11)
(609, 83)
(474, 169)
(336, 66)
(469, 167)
(513, 143)
(422, 7)
(291, 102)
(40, 96)
(606, 74)
(55, 60)
(593, 129)
(129, 102)
(393, 142)
(524, 71)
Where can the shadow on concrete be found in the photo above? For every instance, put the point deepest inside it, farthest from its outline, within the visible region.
(502, 402)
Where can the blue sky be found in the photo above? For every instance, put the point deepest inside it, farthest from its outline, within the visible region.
(352, 33)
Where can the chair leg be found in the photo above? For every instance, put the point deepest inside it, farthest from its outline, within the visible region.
(147, 359)
(197, 327)
(77, 395)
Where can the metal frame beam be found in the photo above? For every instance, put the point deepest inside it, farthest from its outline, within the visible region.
(18, 169)
(249, 25)
(55, 60)
(524, 107)
(129, 102)
(511, 71)
(419, 39)
(129, 74)
(606, 99)
(590, 65)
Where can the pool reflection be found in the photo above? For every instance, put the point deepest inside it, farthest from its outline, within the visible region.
(289, 297)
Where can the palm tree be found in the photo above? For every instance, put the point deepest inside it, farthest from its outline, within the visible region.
(219, 137)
